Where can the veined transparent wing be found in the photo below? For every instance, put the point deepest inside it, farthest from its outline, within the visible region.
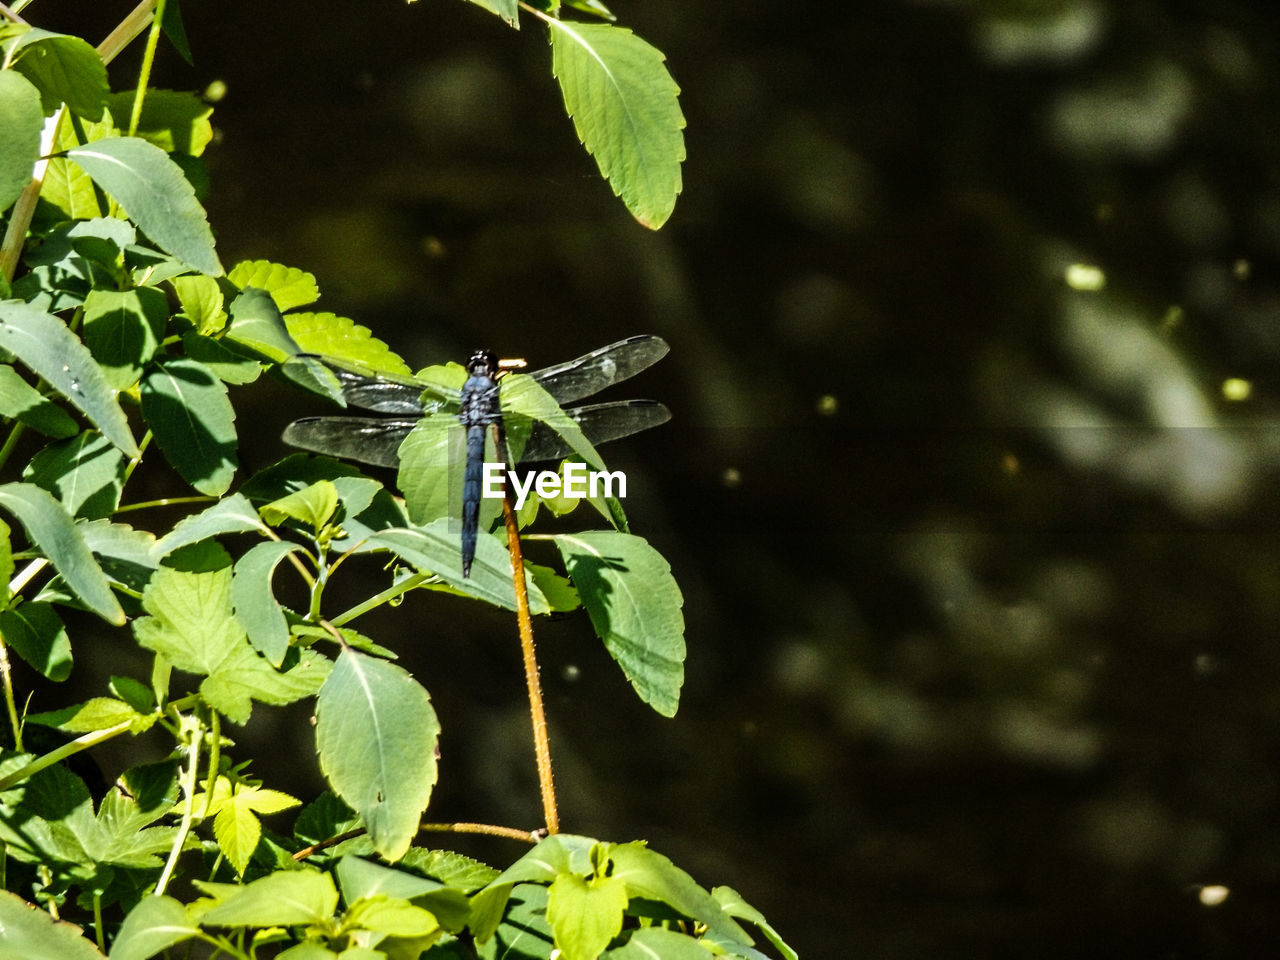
(594, 371)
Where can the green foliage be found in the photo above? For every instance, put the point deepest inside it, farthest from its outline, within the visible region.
(119, 323)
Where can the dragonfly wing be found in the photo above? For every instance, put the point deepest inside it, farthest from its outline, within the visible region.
(371, 389)
(601, 368)
(601, 422)
(366, 439)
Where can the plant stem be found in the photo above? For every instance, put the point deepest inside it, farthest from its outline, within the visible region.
(64, 751)
(163, 502)
(215, 758)
(194, 732)
(393, 591)
(537, 714)
(144, 74)
(488, 829)
(11, 441)
(9, 702)
(97, 922)
(126, 30)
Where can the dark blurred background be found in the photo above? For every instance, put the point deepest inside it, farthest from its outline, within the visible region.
(974, 312)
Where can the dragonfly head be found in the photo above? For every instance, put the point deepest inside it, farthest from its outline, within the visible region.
(483, 363)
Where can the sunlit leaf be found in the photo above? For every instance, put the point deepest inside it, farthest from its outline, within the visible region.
(154, 193)
(45, 345)
(256, 324)
(657, 943)
(376, 735)
(736, 906)
(29, 933)
(624, 106)
(634, 605)
(585, 914)
(22, 120)
(343, 339)
(255, 604)
(65, 69)
(155, 923)
(233, 514)
(313, 506)
(50, 527)
(201, 299)
(289, 287)
(437, 548)
(278, 900)
(192, 625)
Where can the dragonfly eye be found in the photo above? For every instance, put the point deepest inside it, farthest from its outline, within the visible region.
(483, 362)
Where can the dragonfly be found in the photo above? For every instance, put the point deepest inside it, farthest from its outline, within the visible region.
(474, 410)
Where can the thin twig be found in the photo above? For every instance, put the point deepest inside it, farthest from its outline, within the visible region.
(537, 713)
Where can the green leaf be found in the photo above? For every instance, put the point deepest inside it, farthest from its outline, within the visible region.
(634, 605)
(37, 635)
(233, 514)
(376, 734)
(307, 950)
(557, 854)
(176, 121)
(236, 825)
(312, 506)
(125, 552)
(585, 914)
(594, 7)
(193, 627)
(154, 924)
(173, 27)
(122, 329)
(23, 402)
(657, 943)
(734, 905)
(225, 364)
(187, 408)
(45, 345)
(344, 340)
(99, 713)
(255, 604)
(437, 548)
(360, 879)
(652, 876)
(289, 287)
(31, 934)
(280, 899)
(85, 473)
(624, 106)
(506, 9)
(156, 196)
(50, 527)
(523, 933)
(256, 324)
(201, 299)
(22, 120)
(66, 70)
(392, 916)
